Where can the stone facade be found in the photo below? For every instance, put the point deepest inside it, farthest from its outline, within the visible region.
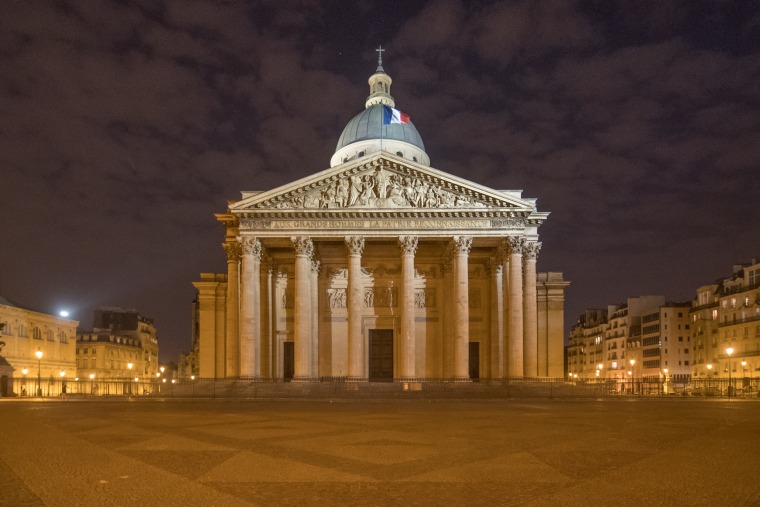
(25, 332)
(647, 330)
(120, 337)
(726, 315)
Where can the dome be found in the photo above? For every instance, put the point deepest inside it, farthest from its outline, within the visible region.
(367, 133)
(369, 125)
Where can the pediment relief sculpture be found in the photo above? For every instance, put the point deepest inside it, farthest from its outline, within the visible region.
(378, 188)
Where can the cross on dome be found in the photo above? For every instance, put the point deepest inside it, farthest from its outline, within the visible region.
(380, 57)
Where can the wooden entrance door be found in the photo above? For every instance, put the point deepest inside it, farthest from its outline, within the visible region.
(381, 355)
(474, 360)
(288, 360)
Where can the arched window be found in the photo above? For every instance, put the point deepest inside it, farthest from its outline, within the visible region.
(7, 331)
(62, 337)
(36, 333)
(50, 335)
(21, 331)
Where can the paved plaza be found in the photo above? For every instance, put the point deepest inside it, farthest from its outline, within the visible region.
(423, 452)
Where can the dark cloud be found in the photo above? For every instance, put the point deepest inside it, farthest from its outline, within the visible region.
(125, 125)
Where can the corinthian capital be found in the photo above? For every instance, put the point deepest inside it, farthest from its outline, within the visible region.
(355, 245)
(462, 244)
(251, 246)
(315, 266)
(408, 244)
(531, 249)
(232, 249)
(303, 245)
(514, 244)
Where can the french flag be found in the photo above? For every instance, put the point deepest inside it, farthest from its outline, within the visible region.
(393, 115)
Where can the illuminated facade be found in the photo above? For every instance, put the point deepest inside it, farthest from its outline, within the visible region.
(381, 268)
(655, 335)
(120, 337)
(25, 332)
(726, 316)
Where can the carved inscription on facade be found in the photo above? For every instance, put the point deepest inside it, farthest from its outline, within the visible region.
(401, 223)
(507, 223)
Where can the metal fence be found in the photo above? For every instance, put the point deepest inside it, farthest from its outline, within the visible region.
(409, 388)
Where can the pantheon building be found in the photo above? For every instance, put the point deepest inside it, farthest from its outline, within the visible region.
(380, 268)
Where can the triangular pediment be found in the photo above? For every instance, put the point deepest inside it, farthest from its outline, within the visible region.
(382, 182)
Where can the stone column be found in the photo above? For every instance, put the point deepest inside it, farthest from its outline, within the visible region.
(231, 329)
(516, 365)
(250, 310)
(267, 316)
(447, 337)
(407, 340)
(497, 318)
(302, 305)
(530, 310)
(462, 245)
(355, 246)
(504, 252)
(314, 319)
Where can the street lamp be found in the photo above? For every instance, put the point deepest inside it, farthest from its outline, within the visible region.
(129, 366)
(632, 361)
(729, 351)
(63, 382)
(665, 388)
(23, 388)
(39, 376)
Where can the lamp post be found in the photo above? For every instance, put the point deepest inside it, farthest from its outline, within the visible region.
(729, 351)
(23, 387)
(39, 375)
(665, 385)
(709, 370)
(129, 366)
(63, 383)
(632, 362)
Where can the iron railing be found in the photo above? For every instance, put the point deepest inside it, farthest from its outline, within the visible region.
(340, 387)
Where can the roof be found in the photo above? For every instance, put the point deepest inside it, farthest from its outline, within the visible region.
(369, 125)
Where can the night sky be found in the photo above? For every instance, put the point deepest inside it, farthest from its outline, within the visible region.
(125, 125)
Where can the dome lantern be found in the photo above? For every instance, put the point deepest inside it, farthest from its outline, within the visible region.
(367, 132)
(380, 85)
